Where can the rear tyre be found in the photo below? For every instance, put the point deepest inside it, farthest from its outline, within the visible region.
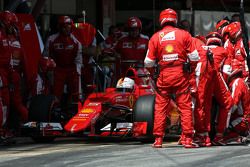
(144, 112)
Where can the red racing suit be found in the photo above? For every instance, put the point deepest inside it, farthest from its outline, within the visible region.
(241, 55)
(5, 56)
(17, 64)
(240, 119)
(210, 82)
(131, 50)
(238, 52)
(227, 66)
(171, 47)
(10, 69)
(67, 54)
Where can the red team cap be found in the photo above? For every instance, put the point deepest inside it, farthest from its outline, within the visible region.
(234, 30)
(134, 22)
(62, 20)
(221, 25)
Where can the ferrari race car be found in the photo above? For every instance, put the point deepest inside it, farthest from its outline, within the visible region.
(126, 110)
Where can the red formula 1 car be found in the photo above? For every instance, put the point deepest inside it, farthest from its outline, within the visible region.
(126, 110)
(103, 113)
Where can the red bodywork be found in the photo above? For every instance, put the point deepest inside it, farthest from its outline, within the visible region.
(120, 105)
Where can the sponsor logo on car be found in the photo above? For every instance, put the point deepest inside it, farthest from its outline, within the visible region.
(93, 104)
(87, 110)
(131, 100)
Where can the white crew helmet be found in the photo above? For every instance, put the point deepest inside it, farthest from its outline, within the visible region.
(125, 83)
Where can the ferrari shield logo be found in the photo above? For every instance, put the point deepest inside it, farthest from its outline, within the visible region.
(162, 34)
(131, 101)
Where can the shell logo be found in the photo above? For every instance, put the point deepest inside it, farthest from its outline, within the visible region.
(169, 48)
(87, 110)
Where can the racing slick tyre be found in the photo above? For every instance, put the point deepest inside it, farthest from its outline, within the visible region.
(40, 111)
(40, 108)
(144, 112)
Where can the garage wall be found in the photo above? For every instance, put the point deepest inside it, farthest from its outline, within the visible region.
(63, 7)
(71, 7)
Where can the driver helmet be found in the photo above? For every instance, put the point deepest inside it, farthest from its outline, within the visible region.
(125, 84)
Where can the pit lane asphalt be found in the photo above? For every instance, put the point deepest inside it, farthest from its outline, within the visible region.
(76, 152)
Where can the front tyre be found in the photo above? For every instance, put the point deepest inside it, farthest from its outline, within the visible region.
(144, 112)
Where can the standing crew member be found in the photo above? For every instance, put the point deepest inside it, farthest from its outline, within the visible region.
(172, 47)
(210, 82)
(11, 57)
(239, 52)
(66, 51)
(11, 65)
(133, 47)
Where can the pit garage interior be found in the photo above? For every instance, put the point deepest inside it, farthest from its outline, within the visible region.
(202, 15)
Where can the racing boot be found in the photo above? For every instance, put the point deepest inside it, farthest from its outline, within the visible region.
(232, 137)
(181, 141)
(158, 142)
(207, 141)
(219, 140)
(7, 138)
(189, 143)
(203, 140)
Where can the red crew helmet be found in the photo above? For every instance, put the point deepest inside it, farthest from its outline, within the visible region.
(168, 16)
(8, 18)
(221, 26)
(134, 22)
(234, 31)
(214, 38)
